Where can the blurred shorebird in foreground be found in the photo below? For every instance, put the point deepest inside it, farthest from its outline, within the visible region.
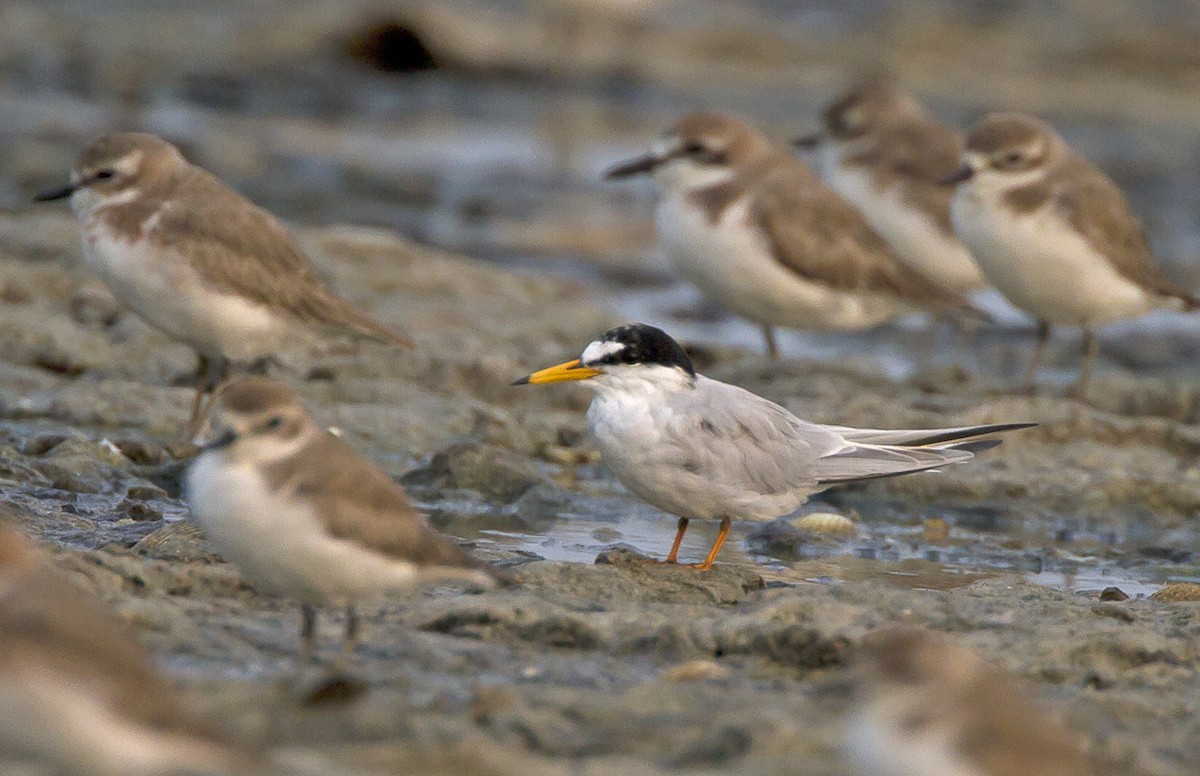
(198, 261)
(78, 691)
(881, 150)
(702, 449)
(1054, 234)
(304, 516)
(930, 707)
(750, 226)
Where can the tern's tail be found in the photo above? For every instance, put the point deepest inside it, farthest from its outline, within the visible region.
(874, 453)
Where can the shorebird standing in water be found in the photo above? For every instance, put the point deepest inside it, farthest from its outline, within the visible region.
(702, 449)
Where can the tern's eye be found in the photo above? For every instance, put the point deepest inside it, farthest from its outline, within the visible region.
(105, 174)
(694, 149)
(273, 423)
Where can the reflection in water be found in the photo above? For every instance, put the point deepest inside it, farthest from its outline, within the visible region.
(897, 554)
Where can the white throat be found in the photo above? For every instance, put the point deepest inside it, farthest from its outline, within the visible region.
(86, 202)
(683, 176)
(641, 379)
(261, 452)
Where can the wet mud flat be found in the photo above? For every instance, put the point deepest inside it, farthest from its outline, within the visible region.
(600, 662)
(616, 666)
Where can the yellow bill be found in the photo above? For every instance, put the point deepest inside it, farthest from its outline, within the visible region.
(572, 370)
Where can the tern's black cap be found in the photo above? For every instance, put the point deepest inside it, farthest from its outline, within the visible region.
(637, 343)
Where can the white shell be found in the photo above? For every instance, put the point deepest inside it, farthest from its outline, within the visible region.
(826, 524)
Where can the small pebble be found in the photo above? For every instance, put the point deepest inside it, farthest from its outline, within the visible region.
(1113, 594)
(140, 452)
(695, 671)
(935, 530)
(93, 306)
(335, 689)
(826, 524)
(321, 373)
(1177, 592)
(607, 535)
(11, 293)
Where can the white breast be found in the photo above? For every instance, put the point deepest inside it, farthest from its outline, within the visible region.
(279, 544)
(877, 744)
(731, 262)
(1041, 264)
(647, 442)
(160, 288)
(913, 234)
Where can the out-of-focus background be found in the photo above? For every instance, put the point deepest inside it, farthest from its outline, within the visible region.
(482, 126)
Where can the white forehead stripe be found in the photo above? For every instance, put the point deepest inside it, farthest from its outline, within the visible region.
(600, 349)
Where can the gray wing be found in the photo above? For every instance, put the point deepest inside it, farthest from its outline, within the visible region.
(742, 440)
(874, 453)
(242, 249)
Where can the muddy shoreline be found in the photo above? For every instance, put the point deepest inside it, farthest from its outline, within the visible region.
(599, 665)
(615, 666)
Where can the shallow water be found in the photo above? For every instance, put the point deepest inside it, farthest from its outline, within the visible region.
(985, 539)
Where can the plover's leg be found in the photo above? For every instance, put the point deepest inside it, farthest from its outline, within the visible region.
(726, 524)
(769, 339)
(202, 368)
(308, 631)
(1039, 352)
(1089, 347)
(210, 373)
(351, 639)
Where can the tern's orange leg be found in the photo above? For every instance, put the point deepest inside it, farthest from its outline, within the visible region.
(726, 524)
(674, 553)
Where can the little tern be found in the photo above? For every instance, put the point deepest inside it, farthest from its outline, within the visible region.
(702, 449)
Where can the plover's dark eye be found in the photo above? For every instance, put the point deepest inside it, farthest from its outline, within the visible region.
(702, 154)
(273, 423)
(103, 175)
(1012, 159)
(853, 119)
